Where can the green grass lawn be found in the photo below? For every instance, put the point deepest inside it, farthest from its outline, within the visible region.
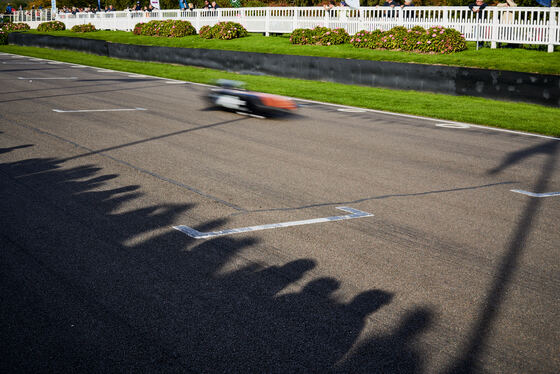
(507, 115)
(516, 59)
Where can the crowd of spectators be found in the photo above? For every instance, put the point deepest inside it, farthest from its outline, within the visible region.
(110, 8)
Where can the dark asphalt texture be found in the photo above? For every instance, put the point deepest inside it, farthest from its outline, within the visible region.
(454, 273)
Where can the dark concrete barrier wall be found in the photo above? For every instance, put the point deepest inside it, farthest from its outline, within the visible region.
(495, 84)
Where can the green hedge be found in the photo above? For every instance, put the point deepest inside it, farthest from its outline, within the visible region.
(169, 28)
(436, 39)
(319, 36)
(83, 28)
(51, 26)
(9, 27)
(223, 30)
(3, 37)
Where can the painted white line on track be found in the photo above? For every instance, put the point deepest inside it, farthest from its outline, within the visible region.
(139, 76)
(79, 66)
(533, 194)
(98, 110)
(453, 125)
(48, 78)
(175, 82)
(56, 62)
(422, 118)
(354, 213)
(352, 110)
(105, 71)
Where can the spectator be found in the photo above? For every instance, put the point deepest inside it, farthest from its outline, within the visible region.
(477, 8)
(183, 5)
(206, 5)
(214, 5)
(507, 17)
(111, 9)
(138, 6)
(330, 5)
(150, 8)
(9, 9)
(391, 3)
(407, 3)
(191, 7)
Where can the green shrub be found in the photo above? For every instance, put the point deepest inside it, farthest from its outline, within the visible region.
(319, 36)
(9, 27)
(3, 37)
(205, 32)
(224, 31)
(51, 26)
(83, 28)
(436, 39)
(138, 28)
(168, 28)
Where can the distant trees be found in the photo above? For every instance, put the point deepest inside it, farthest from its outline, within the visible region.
(174, 4)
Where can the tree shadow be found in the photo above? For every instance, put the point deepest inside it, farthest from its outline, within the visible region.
(469, 360)
(91, 285)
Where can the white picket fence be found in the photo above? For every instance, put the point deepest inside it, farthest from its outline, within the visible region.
(517, 25)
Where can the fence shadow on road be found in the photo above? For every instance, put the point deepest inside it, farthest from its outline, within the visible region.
(95, 280)
(469, 359)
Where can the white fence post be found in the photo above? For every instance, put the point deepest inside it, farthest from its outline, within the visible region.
(267, 22)
(552, 29)
(495, 28)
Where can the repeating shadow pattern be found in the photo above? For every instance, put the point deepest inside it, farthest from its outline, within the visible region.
(90, 285)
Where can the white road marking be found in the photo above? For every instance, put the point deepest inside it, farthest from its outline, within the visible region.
(105, 71)
(533, 194)
(453, 125)
(97, 110)
(175, 82)
(56, 62)
(51, 78)
(354, 213)
(352, 110)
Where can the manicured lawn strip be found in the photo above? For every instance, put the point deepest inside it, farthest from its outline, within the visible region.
(507, 115)
(517, 59)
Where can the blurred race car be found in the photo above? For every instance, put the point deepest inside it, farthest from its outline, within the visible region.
(231, 95)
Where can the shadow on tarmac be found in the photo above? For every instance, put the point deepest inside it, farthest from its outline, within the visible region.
(469, 361)
(89, 285)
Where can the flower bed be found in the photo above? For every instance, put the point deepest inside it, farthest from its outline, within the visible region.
(9, 27)
(83, 28)
(319, 36)
(51, 26)
(436, 39)
(223, 30)
(168, 28)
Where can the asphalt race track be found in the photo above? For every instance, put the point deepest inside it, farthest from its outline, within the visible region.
(445, 270)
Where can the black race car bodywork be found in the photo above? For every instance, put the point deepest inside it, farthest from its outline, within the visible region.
(232, 96)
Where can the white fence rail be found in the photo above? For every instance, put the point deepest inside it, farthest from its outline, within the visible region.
(518, 25)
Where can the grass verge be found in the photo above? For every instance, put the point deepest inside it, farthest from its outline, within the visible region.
(513, 59)
(508, 115)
